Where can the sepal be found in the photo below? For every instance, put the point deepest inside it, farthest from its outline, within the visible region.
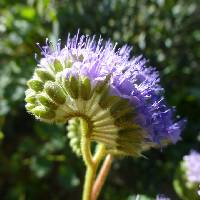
(43, 112)
(35, 85)
(44, 75)
(55, 92)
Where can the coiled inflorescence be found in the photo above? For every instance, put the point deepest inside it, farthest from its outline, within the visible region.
(120, 98)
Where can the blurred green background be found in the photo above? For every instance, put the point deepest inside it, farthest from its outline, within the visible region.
(35, 159)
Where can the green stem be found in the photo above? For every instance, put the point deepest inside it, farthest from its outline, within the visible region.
(86, 151)
(91, 169)
(89, 180)
(99, 154)
(87, 157)
(90, 162)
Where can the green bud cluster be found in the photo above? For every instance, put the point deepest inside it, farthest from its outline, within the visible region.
(52, 97)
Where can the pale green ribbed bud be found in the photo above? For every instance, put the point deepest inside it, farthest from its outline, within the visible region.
(55, 92)
(35, 85)
(47, 102)
(44, 75)
(43, 112)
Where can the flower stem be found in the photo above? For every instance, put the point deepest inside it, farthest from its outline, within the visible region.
(101, 177)
(86, 151)
(90, 162)
(99, 154)
(92, 165)
(89, 179)
(87, 157)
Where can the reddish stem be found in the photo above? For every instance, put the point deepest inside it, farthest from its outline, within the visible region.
(100, 180)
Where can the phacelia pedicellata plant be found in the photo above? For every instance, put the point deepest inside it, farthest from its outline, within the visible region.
(106, 97)
(187, 179)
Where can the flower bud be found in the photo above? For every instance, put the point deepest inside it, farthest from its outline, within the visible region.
(43, 112)
(44, 75)
(35, 85)
(45, 101)
(55, 92)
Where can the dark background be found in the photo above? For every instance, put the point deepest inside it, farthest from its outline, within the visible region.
(35, 159)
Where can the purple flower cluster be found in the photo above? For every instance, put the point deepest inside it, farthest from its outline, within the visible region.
(192, 165)
(130, 78)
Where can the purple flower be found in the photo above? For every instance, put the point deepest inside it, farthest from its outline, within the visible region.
(128, 79)
(192, 166)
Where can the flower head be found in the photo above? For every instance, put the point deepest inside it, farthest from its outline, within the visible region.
(120, 97)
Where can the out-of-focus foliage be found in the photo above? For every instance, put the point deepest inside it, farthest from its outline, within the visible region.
(36, 161)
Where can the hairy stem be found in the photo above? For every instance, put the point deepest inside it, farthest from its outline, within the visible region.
(87, 157)
(91, 163)
(99, 154)
(92, 166)
(86, 151)
(101, 177)
(89, 180)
